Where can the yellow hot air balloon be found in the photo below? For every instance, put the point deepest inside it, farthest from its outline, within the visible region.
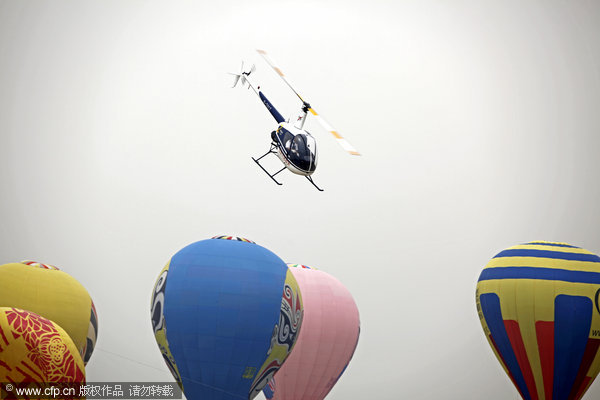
(539, 307)
(53, 294)
(35, 349)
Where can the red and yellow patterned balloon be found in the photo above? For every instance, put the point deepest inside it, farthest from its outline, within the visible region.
(35, 349)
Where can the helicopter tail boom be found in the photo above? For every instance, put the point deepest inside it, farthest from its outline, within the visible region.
(244, 78)
(278, 117)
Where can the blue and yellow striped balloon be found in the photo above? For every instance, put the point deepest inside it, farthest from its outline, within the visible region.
(538, 305)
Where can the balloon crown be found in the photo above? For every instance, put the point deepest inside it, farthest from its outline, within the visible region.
(39, 265)
(239, 239)
(300, 266)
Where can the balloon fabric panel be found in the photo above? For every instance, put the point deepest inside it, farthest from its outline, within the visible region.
(536, 306)
(572, 322)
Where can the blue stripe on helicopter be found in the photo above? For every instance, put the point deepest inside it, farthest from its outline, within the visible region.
(271, 108)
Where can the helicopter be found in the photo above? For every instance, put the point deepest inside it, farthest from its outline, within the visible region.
(295, 147)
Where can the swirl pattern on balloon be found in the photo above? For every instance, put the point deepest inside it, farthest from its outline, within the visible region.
(92, 335)
(289, 318)
(284, 334)
(159, 325)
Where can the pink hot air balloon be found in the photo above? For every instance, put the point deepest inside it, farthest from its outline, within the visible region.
(326, 342)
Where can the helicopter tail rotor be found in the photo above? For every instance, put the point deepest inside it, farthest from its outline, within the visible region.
(236, 79)
(242, 76)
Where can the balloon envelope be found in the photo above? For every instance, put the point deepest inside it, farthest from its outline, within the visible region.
(35, 349)
(538, 305)
(225, 314)
(53, 294)
(326, 343)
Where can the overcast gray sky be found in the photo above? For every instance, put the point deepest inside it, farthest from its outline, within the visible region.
(121, 142)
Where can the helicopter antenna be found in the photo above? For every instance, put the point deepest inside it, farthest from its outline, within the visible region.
(339, 138)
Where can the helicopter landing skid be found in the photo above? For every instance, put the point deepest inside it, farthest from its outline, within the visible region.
(257, 161)
(313, 183)
(267, 172)
(272, 176)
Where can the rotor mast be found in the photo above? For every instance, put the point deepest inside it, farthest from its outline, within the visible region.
(306, 107)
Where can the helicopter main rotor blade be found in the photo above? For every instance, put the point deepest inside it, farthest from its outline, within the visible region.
(278, 70)
(338, 138)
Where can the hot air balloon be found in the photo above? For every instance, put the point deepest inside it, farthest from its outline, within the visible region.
(226, 313)
(538, 305)
(326, 343)
(35, 349)
(53, 294)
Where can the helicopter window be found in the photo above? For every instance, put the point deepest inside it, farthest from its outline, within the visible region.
(286, 137)
(300, 155)
(299, 147)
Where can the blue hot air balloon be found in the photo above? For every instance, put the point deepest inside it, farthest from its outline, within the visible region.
(226, 313)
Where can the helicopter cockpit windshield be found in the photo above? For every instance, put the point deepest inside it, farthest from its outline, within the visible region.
(300, 149)
(301, 154)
